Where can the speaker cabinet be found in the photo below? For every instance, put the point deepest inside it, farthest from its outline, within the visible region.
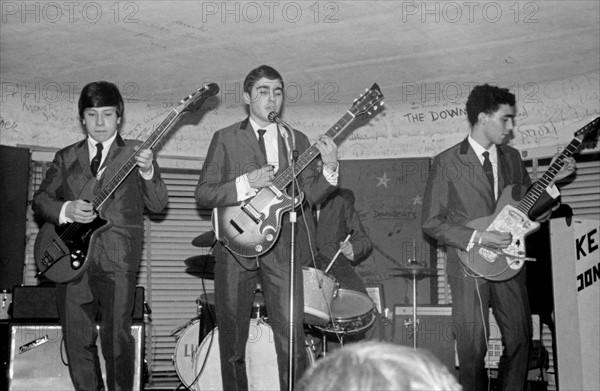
(38, 303)
(38, 358)
(433, 331)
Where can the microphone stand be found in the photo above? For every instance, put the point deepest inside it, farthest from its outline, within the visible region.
(292, 157)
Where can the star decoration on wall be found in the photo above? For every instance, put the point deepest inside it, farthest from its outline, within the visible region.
(383, 181)
(418, 200)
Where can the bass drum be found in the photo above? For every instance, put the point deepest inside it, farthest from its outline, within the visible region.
(261, 360)
(185, 352)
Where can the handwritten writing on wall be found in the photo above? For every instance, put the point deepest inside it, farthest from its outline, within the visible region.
(389, 199)
(548, 114)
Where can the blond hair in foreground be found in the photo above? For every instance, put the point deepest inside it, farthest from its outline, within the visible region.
(378, 366)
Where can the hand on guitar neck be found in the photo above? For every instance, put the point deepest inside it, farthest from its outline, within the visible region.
(80, 211)
(567, 169)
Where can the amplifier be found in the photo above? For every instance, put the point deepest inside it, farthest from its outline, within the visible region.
(38, 359)
(434, 331)
(38, 303)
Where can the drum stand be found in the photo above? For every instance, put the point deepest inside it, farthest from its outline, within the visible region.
(416, 271)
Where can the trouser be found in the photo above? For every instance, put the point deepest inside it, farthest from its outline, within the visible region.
(510, 306)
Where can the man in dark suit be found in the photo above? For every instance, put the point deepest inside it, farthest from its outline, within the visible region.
(464, 184)
(105, 291)
(337, 219)
(235, 169)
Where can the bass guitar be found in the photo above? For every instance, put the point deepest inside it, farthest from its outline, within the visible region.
(252, 227)
(513, 217)
(60, 252)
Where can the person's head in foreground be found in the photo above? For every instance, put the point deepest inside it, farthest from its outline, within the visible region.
(378, 366)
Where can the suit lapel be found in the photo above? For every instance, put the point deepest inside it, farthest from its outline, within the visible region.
(247, 134)
(83, 157)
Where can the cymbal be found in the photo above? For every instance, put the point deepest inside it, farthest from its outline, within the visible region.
(200, 261)
(414, 271)
(202, 266)
(207, 239)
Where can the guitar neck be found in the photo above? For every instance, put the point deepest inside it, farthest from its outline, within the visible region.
(540, 186)
(130, 164)
(286, 177)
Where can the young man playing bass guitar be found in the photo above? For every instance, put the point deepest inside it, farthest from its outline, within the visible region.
(104, 291)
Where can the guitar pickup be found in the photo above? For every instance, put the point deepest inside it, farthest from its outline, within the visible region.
(252, 213)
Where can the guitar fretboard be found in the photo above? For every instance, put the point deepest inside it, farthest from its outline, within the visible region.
(540, 186)
(286, 177)
(116, 180)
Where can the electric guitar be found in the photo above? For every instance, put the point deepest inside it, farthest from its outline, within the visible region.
(60, 252)
(252, 227)
(513, 217)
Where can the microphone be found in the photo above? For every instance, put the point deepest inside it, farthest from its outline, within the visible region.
(273, 117)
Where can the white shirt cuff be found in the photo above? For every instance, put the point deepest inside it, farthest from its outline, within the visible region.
(243, 188)
(553, 191)
(471, 241)
(62, 218)
(331, 173)
(148, 175)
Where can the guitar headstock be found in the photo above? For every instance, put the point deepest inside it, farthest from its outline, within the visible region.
(194, 101)
(588, 130)
(371, 99)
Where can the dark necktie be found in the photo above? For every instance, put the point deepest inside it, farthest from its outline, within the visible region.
(261, 142)
(487, 169)
(315, 215)
(97, 159)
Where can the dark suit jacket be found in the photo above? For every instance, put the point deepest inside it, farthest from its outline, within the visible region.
(70, 172)
(457, 192)
(234, 151)
(337, 218)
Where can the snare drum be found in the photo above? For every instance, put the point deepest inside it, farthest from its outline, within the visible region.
(353, 312)
(261, 360)
(319, 290)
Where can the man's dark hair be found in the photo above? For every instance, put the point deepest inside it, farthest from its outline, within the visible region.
(100, 94)
(487, 99)
(258, 73)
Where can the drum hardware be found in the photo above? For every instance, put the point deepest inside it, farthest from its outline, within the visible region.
(417, 272)
(259, 307)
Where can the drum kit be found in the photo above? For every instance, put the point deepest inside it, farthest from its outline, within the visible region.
(328, 309)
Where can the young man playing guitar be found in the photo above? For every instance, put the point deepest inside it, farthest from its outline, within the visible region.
(464, 184)
(104, 292)
(235, 169)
